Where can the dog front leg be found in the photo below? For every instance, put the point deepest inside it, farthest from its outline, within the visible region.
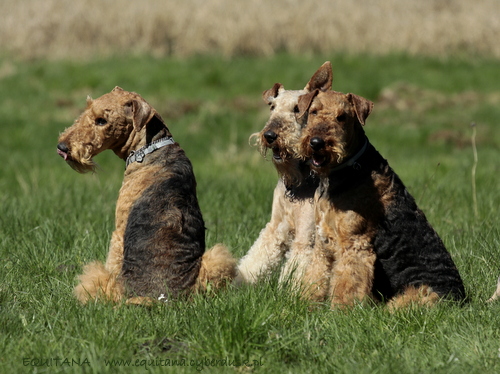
(301, 248)
(265, 254)
(352, 276)
(269, 248)
(317, 274)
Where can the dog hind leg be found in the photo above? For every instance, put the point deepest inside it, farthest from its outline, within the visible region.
(423, 296)
(96, 282)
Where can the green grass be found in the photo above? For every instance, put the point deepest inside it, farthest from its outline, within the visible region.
(54, 220)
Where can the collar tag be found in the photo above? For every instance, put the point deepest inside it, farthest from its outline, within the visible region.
(139, 156)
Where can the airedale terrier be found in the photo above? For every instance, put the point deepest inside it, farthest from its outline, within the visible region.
(371, 240)
(290, 231)
(158, 246)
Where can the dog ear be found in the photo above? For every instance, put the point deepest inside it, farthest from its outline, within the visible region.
(117, 88)
(362, 106)
(89, 101)
(305, 102)
(272, 93)
(322, 79)
(140, 111)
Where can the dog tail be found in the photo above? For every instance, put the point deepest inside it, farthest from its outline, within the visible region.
(218, 268)
(97, 282)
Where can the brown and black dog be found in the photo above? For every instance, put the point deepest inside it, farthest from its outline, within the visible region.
(372, 241)
(158, 247)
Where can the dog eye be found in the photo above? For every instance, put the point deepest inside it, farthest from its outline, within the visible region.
(101, 121)
(314, 112)
(296, 109)
(272, 107)
(341, 117)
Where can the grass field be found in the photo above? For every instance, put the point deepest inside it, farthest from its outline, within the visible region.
(54, 220)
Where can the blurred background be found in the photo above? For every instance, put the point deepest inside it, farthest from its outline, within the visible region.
(89, 28)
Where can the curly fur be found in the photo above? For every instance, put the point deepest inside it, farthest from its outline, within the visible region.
(158, 246)
(97, 282)
(372, 241)
(289, 235)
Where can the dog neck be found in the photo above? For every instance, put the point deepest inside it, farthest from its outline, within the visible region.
(154, 135)
(139, 154)
(366, 161)
(304, 186)
(352, 161)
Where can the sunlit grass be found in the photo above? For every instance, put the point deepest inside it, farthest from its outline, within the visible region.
(54, 220)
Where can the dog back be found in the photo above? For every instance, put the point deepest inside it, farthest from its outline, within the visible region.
(165, 233)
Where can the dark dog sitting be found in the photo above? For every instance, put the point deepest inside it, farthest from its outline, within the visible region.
(158, 246)
(166, 214)
(372, 239)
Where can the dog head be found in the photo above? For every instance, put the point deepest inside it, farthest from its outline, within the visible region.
(284, 127)
(116, 121)
(334, 129)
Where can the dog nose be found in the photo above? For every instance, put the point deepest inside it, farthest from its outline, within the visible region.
(63, 147)
(62, 150)
(317, 143)
(270, 136)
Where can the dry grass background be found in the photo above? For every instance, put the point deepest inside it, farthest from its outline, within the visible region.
(87, 28)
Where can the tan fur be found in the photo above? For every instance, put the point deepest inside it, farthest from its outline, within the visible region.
(283, 120)
(343, 261)
(88, 139)
(125, 114)
(97, 282)
(414, 296)
(290, 232)
(218, 268)
(326, 113)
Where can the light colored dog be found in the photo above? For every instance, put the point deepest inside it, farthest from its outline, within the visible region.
(290, 232)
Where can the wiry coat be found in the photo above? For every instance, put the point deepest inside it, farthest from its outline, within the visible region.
(372, 239)
(158, 246)
(408, 251)
(165, 234)
(289, 235)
